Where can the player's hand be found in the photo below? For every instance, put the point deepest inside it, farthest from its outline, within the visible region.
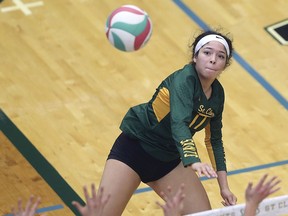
(173, 204)
(263, 189)
(29, 210)
(204, 169)
(229, 198)
(94, 203)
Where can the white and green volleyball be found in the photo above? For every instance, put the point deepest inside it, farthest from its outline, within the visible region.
(128, 28)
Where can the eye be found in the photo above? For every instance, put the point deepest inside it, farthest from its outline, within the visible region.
(221, 56)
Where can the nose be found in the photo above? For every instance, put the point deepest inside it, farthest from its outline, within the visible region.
(213, 59)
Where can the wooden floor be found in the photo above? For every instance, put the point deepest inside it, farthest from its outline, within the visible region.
(66, 89)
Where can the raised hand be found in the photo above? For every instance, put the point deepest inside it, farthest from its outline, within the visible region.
(94, 205)
(255, 195)
(261, 190)
(174, 205)
(30, 209)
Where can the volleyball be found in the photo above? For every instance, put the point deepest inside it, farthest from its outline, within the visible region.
(128, 28)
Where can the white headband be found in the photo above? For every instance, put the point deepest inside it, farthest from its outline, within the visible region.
(212, 37)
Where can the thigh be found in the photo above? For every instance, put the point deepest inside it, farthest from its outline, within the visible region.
(196, 198)
(120, 181)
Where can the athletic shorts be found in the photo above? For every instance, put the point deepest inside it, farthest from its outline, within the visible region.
(129, 151)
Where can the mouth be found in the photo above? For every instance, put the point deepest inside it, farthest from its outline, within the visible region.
(210, 69)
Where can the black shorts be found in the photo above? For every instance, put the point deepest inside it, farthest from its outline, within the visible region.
(129, 151)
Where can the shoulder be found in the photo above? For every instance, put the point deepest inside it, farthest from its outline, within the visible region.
(187, 73)
(188, 70)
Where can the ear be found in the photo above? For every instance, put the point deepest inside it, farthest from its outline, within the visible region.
(194, 59)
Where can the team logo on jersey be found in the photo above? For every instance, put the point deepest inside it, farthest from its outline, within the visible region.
(202, 111)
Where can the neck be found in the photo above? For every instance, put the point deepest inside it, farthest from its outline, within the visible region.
(207, 90)
(206, 84)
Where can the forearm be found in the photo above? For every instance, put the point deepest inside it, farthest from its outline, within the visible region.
(250, 209)
(222, 180)
(227, 195)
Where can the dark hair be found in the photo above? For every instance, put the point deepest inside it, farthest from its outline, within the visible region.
(227, 37)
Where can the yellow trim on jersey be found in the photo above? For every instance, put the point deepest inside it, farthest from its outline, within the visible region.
(189, 148)
(194, 120)
(203, 120)
(204, 115)
(161, 104)
(209, 146)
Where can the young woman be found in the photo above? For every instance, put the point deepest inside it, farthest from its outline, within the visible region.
(156, 144)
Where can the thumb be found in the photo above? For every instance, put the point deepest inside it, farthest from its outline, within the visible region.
(77, 205)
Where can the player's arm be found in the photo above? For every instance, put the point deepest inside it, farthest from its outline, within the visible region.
(214, 145)
(228, 197)
(181, 106)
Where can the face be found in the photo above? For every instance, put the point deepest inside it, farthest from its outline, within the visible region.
(211, 60)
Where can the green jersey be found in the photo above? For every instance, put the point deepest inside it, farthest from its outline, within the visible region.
(178, 109)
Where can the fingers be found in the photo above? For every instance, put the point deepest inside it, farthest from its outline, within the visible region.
(86, 194)
(94, 203)
(173, 203)
(105, 201)
(93, 190)
(249, 186)
(209, 172)
(270, 185)
(159, 204)
(78, 206)
(169, 189)
(29, 203)
(231, 200)
(14, 211)
(164, 196)
(273, 191)
(179, 196)
(35, 205)
(262, 180)
(30, 207)
(263, 189)
(180, 190)
(224, 203)
(204, 169)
